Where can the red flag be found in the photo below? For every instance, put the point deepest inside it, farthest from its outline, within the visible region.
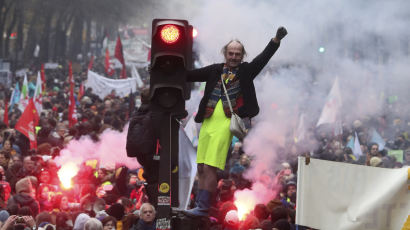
(120, 56)
(27, 123)
(108, 68)
(43, 78)
(71, 109)
(149, 55)
(6, 113)
(90, 65)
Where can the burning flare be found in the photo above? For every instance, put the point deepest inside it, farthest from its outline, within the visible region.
(244, 208)
(66, 173)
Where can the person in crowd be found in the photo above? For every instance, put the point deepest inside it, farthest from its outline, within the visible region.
(7, 147)
(59, 135)
(406, 157)
(28, 168)
(43, 218)
(289, 198)
(109, 223)
(231, 221)
(374, 150)
(64, 221)
(261, 212)
(281, 224)
(117, 210)
(5, 185)
(80, 221)
(4, 161)
(8, 143)
(147, 217)
(19, 222)
(44, 197)
(215, 136)
(279, 212)
(141, 129)
(25, 196)
(93, 224)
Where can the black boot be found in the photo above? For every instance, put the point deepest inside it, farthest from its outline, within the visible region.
(202, 204)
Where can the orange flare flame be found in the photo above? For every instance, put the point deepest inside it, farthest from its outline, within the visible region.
(66, 173)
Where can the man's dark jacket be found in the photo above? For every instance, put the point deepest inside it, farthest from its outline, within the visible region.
(246, 73)
(23, 199)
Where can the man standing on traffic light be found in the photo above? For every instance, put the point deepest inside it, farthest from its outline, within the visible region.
(214, 113)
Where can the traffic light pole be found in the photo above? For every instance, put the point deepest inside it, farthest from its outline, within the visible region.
(171, 57)
(168, 171)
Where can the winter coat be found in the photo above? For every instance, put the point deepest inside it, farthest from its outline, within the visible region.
(24, 199)
(247, 72)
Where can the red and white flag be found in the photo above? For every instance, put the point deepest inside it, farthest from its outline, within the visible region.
(120, 56)
(27, 123)
(24, 97)
(108, 68)
(72, 118)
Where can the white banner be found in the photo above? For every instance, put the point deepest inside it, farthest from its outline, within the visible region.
(51, 65)
(187, 169)
(103, 86)
(334, 195)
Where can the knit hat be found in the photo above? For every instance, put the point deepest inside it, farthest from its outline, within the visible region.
(116, 210)
(273, 204)
(101, 215)
(24, 185)
(375, 161)
(80, 221)
(231, 217)
(282, 224)
(4, 215)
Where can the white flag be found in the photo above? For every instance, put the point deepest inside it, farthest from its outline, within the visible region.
(187, 169)
(332, 107)
(24, 95)
(136, 75)
(38, 94)
(301, 129)
(357, 151)
(36, 51)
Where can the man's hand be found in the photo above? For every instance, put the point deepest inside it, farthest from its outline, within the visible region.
(30, 221)
(9, 222)
(280, 33)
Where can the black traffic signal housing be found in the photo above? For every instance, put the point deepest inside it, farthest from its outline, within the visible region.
(171, 56)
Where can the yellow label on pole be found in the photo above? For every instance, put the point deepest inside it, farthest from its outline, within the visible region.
(164, 188)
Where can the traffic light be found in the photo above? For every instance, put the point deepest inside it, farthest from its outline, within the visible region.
(171, 56)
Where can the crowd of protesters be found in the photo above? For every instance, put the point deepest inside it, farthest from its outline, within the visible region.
(104, 198)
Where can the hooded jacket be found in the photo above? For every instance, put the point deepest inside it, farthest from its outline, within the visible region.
(24, 199)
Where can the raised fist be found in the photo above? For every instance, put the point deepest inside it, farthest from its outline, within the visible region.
(281, 33)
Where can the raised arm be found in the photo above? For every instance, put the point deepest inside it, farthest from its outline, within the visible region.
(201, 74)
(259, 62)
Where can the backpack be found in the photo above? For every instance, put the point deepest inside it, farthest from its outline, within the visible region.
(141, 139)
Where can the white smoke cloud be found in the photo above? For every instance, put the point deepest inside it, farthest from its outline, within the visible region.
(109, 151)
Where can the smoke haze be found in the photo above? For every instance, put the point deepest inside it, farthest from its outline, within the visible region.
(109, 151)
(366, 44)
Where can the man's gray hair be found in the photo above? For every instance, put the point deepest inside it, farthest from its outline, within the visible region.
(225, 47)
(93, 224)
(146, 204)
